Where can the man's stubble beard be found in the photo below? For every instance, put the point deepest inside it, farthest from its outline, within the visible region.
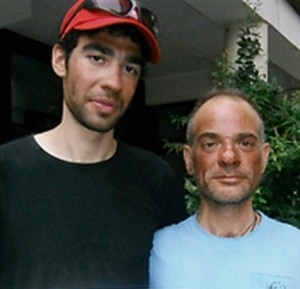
(82, 118)
(219, 197)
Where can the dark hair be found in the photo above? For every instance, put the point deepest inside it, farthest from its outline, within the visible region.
(119, 30)
(232, 93)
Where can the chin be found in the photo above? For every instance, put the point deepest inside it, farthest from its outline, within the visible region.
(102, 127)
(227, 198)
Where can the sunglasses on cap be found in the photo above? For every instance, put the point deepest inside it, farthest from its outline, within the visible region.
(120, 8)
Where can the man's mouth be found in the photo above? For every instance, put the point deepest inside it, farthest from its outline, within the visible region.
(229, 179)
(105, 106)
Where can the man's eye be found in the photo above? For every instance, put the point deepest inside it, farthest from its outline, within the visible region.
(96, 58)
(209, 145)
(132, 69)
(246, 144)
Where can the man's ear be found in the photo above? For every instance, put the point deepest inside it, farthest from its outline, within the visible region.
(188, 160)
(265, 156)
(59, 60)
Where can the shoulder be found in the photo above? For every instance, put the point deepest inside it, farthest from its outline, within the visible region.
(154, 177)
(17, 154)
(284, 230)
(170, 243)
(141, 157)
(16, 145)
(174, 233)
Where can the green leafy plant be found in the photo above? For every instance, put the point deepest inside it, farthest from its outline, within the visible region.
(279, 193)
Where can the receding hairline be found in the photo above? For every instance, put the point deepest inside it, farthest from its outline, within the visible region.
(235, 95)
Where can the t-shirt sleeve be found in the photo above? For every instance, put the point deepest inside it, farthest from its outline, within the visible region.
(164, 262)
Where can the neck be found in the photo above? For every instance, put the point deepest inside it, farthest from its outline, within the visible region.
(229, 222)
(79, 146)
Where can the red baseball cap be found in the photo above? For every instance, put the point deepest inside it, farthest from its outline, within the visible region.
(78, 18)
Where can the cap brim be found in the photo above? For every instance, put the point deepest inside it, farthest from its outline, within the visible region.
(89, 20)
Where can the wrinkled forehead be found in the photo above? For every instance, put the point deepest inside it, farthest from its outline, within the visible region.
(227, 115)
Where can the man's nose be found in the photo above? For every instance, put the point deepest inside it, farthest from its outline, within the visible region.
(229, 155)
(113, 78)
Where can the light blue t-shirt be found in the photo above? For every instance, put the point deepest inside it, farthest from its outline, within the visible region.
(185, 256)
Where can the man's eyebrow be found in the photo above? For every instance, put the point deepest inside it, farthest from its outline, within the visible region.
(136, 59)
(247, 134)
(98, 47)
(208, 135)
(213, 135)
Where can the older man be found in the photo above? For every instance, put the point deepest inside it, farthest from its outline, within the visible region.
(227, 244)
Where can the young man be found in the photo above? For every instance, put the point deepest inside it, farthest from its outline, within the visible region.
(78, 208)
(227, 244)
